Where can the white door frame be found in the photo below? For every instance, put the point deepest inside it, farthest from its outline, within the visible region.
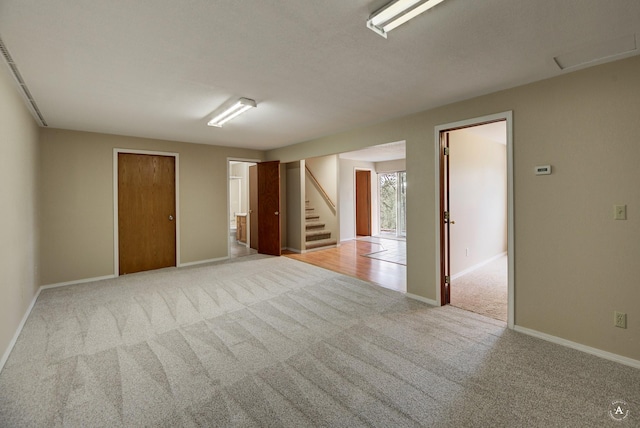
(508, 116)
(116, 239)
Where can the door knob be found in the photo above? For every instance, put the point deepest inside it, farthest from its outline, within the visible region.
(276, 213)
(453, 222)
(170, 217)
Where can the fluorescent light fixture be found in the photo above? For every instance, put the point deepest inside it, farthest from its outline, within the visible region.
(237, 109)
(397, 13)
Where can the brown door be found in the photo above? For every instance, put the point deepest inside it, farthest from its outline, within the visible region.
(146, 212)
(253, 206)
(269, 208)
(445, 222)
(363, 203)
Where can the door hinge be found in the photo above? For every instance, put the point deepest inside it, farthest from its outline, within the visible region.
(446, 215)
(447, 279)
(446, 151)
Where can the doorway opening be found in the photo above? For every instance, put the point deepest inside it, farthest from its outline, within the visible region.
(242, 190)
(475, 215)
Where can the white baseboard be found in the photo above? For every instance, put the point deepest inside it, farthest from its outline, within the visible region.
(477, 266)
(78, 281)
(201, 262)
(580, 347)
(422, 299)
(5, 356)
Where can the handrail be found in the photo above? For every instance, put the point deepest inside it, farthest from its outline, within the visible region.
(319, 186)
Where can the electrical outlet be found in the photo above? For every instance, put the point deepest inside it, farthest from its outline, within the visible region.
(466, 252)
(620, 319)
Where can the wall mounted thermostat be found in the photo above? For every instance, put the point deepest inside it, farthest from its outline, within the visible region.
(543, 170)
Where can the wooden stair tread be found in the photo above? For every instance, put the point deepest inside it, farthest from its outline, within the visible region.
(314, 225)
(320, 243)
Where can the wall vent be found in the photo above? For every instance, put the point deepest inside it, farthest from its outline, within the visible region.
(23, 86)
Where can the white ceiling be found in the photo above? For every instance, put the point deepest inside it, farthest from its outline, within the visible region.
(160, 68)
(379, 153)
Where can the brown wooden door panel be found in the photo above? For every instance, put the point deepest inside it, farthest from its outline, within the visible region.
(445, 242)
(363, 203)
(253, 206)
(269, 208)
(146, 212)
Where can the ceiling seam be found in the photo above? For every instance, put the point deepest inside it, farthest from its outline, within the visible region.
(23, 86)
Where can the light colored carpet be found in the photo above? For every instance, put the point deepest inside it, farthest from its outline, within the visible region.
(275, 342)
(484, 290)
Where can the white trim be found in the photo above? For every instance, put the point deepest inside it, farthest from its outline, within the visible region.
(508, 116)
(422, 299)
(116, 255)
(201, 262)
(478, 265)
(580, 347)
(78, 281)
(9, 349)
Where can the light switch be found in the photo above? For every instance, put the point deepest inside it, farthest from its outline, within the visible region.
(619, 212)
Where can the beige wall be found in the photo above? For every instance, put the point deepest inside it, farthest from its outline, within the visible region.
(18, 189)
(282, 212)
(477, 199)
(391, 166)
(294, 206)
(76, 220)
(574, 265)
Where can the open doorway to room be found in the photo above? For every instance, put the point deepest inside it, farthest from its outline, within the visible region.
(363, 251)
(373, 183)
(242, 209)
(475, 231)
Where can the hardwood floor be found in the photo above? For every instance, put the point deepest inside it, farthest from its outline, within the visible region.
(348, 259)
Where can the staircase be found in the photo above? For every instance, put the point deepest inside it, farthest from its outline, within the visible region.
(316, 235)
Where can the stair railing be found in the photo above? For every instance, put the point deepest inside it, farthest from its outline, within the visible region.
(322, 191)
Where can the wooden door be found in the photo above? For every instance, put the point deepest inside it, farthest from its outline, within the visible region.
(445, 221)
(146, 212)
(269, 208)
(363, 203)
(253, 207)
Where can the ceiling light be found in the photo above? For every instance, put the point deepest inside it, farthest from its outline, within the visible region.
(397, 13)
(237, 109)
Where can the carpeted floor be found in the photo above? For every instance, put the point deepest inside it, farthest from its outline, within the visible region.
(276, 342)
(484, 290)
